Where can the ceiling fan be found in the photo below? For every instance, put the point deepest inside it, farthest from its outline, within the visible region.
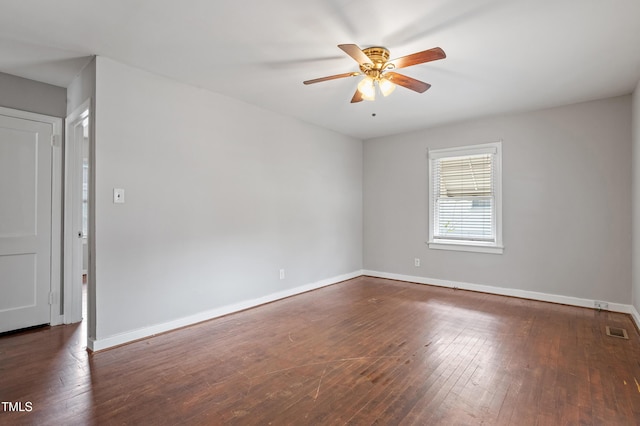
(377, 70)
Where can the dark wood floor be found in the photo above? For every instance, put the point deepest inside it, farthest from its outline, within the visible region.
(366, 351)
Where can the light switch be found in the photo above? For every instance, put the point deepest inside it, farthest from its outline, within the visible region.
(118, 195)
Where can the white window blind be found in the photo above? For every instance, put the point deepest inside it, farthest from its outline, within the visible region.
(464, 197)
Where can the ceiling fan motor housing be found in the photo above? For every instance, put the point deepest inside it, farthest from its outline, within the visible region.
(379, 57)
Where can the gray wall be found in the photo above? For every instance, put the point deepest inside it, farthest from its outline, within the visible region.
(636, 198)
(566, 202)
(219, 196)
(33, 96)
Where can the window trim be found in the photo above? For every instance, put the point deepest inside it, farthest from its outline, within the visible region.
(467, 245)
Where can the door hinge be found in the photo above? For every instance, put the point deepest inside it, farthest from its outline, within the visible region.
(56, 140)
(51, 298)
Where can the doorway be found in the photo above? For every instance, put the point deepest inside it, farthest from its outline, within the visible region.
(76, 222)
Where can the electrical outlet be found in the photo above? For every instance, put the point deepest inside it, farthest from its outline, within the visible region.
(416, 262)
(601, 305)
(282, 274)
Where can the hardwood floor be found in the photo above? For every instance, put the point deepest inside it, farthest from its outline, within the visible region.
(366, 351)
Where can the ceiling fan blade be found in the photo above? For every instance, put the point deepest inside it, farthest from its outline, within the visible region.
(408, 82)
(355, 52)
(332, 77)
(419, 58)
(357, 97)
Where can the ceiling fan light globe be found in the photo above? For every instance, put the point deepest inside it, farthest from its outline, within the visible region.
(369, 97)
(367, 88)
(386, 86)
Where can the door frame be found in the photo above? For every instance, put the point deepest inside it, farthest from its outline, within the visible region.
(55, 302)
(72, 283)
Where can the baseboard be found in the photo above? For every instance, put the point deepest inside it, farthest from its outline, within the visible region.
(636, 316)
(141, 333)
(523, 294)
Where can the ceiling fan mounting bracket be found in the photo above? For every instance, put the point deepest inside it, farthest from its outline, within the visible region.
(378, 54)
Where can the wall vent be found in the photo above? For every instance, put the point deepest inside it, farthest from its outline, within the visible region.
(617, 332)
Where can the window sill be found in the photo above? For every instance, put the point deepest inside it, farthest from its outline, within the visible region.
(459, 246)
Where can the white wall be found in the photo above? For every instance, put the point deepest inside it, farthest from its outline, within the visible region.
(636, 201)
(566, 202)
(82, 87)
(219, 196)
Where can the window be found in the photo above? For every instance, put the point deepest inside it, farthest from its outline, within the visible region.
(465, 198)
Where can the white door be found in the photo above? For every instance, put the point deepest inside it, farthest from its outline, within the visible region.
(25, 222)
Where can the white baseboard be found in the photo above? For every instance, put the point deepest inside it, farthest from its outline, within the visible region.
(636, 316)
(523, 294)
(122, 338)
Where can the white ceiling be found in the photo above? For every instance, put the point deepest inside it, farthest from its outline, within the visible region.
(502, 55)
